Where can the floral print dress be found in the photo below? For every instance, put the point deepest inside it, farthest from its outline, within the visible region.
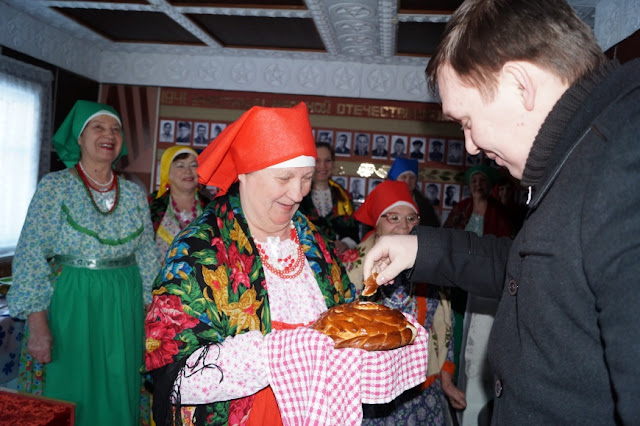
(86, 307)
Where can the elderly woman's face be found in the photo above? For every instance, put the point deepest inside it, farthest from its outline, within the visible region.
(409, 178)
(408, 219)
(479, 185)
(101, 140)
(182, 173)
(270, 197)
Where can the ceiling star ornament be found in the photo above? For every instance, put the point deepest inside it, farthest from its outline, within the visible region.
(275, 75)
(344, 78)
(243, 73)
(309, 77)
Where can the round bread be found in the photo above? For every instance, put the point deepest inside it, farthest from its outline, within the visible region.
(366, 325)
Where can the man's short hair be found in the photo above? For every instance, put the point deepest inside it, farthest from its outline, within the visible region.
(482, 35)
(184, 124)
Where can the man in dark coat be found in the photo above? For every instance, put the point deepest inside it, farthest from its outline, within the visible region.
(380, 149)
(435, 151)
(416, 152)
(564, 346)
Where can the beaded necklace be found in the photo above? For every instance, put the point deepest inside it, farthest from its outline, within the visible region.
(183, 217)
(88, 187)
(101, 185)
(287, 267)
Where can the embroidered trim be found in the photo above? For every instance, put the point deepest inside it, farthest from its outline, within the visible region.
(89, 232)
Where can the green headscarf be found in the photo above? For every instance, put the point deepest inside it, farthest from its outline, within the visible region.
(491, 173)
(65, 141)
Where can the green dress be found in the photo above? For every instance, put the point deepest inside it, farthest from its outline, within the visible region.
(96, 310)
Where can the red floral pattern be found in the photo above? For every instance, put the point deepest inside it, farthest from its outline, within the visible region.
(164, 321)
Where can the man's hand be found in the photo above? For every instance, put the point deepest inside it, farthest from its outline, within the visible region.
(390, 255)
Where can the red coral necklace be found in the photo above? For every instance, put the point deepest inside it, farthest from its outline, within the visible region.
(88, 186)
(287, 267)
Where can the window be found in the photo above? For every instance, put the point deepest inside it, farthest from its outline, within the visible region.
(24, 125)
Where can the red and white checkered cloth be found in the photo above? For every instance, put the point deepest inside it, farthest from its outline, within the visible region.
(316, 384)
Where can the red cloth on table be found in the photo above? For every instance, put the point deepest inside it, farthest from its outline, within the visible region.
(20, 409)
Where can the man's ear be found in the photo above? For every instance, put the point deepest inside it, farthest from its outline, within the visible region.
(517, 73)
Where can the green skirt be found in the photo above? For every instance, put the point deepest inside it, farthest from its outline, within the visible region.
(97, 322)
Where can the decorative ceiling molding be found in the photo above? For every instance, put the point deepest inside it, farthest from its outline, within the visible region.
(360, 40)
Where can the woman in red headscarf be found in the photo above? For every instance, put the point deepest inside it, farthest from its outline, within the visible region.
(250, 264)
(390, 209)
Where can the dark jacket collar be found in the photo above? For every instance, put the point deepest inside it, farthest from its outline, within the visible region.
(570, 121)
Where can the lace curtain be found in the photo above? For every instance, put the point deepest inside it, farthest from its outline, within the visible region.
(25, 142)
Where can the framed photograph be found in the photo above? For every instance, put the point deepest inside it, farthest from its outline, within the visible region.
(455, 152)
(398, 147)
(201, 137)
(325, 136)
(451, 195)
(380, 148)
(373, 182)
(361, 145)
(436, 150)
(432, 192)
(417, 149)
(340, 180)
(216, 129)
(167, 131)
(473, 160)
(357, 188)
(184, 133)
(343, 144)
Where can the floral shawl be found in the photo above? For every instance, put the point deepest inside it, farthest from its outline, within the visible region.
(213, 286)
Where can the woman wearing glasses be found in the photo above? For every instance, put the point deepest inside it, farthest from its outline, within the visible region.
(390, 209)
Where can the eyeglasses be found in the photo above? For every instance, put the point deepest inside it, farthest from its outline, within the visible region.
(395, 218)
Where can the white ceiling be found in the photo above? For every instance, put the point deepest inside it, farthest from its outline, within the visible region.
(357, 63)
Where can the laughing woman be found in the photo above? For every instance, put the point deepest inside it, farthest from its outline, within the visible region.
(177, 202)
(82, 274)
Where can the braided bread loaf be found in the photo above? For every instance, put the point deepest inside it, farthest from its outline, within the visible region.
(366, 325)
